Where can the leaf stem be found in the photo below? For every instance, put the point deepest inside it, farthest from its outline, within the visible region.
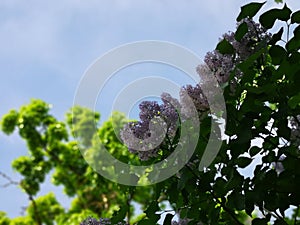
(288, 32)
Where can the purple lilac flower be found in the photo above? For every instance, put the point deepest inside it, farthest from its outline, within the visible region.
(140, 138)
(223, 64)
(146, 136)
(101, 221)
(199, 101)
(148, 110)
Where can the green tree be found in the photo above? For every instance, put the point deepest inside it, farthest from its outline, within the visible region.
(53, 150)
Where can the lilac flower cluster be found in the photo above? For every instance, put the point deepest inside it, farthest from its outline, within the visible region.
(141, 139)
(146, 136)
(101, 221)
(199, 101)
(222, 65)
(146, 142)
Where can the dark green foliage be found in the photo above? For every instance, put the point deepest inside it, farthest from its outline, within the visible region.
(241, 31)
(268, 18)
(249, 10)
(295, 17)
(224, 47)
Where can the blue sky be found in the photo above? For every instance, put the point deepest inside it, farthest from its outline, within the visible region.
(46, 46)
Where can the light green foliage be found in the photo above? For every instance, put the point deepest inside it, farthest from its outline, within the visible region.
(9, 122)
(46, 208)
(52, 148)
(83, 123)
(4, 220)
(22, 220)
(75, 218)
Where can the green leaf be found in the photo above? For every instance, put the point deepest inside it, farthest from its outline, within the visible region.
(295, 17)
(283, 129)
(249, 202)
(168, 219)
(254, 151)
(279, 222)
(173, 193)
(285, 13)
(241, 31)
(277, 54)
(224, 47)
(235, 180)
(244, 129)
(243, 162)
(152, 209)
(268, 18)
(249, 10)
(219, 189)
(276, 37)
(184, 178)
(278, 1)
(293, 44)
(258, 221)
(297, 32)
(119, 215)
(236, 200)
(294, 101)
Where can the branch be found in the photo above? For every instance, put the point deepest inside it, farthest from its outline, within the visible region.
(275, 215)
(35, 209)
(9, 179)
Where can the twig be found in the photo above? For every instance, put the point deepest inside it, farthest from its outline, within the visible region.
(10, 180)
